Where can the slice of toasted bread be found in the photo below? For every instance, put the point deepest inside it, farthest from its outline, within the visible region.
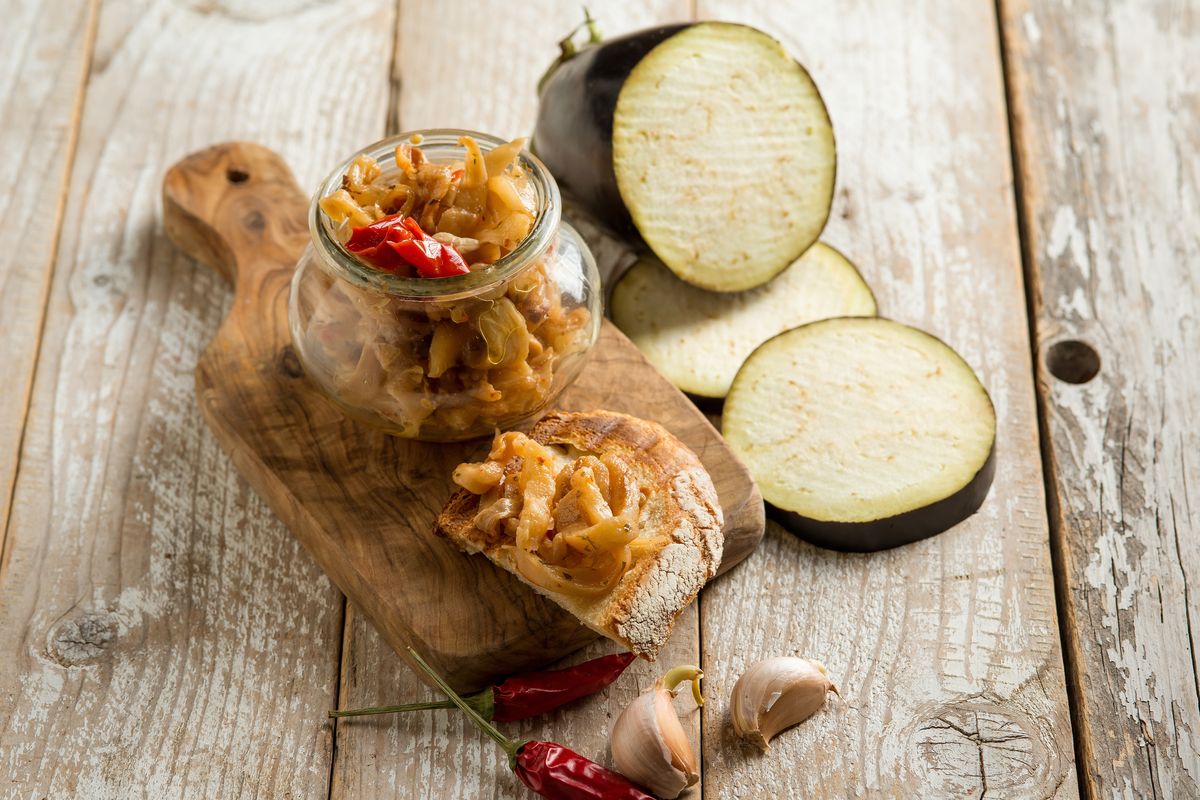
(679, 516)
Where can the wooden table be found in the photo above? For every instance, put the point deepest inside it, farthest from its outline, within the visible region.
(1019, 179)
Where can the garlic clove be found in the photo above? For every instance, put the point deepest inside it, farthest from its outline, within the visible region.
(683, 759)
(649, 745)
(640, 751)
(778, 693)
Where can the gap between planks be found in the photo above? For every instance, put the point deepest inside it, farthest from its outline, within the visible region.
(1068, 631)
(339, 692)
(55, 235)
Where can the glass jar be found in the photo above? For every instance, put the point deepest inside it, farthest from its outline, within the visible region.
(444, 359)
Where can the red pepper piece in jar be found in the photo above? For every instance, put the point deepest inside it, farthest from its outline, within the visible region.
(452, 262)
(426, 259)
(371, 244)
(431, 258)
(398, 245)
(524, 696)
(550, 769)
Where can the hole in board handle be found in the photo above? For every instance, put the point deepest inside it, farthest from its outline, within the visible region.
(236, 175)
(1072, 361)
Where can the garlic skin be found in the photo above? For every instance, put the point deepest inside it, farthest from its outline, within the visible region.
(649, 745)
(775, 694)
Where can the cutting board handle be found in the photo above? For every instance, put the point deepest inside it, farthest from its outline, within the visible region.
(237, 208)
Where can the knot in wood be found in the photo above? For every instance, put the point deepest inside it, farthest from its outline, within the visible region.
(289, 363)
(82, 638)
(255, 221)
(977, 750)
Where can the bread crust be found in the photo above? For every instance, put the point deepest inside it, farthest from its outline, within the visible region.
(681, 502)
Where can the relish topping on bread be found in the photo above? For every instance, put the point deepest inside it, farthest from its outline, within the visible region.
(572, 522)
(609, 515)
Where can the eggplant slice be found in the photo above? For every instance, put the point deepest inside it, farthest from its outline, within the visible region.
(724, 155)
(699, 339)
(709, 138)
(863, 434)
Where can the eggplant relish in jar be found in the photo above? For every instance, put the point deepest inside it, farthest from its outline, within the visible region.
(441, 296)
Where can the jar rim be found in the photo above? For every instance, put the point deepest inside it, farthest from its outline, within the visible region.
(346, 265)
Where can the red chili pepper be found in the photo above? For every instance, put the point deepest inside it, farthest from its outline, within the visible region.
(534, 693)
(529, 695)
(553, 771)
(397, 244)
(558, 772)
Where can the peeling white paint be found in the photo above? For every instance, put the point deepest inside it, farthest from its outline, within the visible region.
(1032, 32)
(1065, 235)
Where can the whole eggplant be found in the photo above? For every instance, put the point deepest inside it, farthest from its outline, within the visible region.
(706, 140)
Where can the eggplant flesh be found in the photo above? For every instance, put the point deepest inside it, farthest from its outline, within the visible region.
(863, 434)
(699, 339)
(707, 139)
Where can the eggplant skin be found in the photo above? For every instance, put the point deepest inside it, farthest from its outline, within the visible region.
(888, 532)
(573, 133)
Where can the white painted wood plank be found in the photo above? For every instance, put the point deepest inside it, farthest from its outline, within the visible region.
(165, 635)
(1107, 127)
(946, 650)
(44, 51)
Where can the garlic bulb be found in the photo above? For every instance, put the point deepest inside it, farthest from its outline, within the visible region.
(649, 745)
(778, 693)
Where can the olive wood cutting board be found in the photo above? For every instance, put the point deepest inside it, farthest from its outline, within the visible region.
(363, 502)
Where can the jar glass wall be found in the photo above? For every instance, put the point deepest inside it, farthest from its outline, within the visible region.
(444, 359)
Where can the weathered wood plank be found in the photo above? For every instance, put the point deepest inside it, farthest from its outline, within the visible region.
(946, 650)
(164, 635)
(404, 757)
(1107, 126)
(44, 53)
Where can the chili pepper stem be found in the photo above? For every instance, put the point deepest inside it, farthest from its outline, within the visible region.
(673, 677)
(363, 712)
(510, 747)
(482, 703)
